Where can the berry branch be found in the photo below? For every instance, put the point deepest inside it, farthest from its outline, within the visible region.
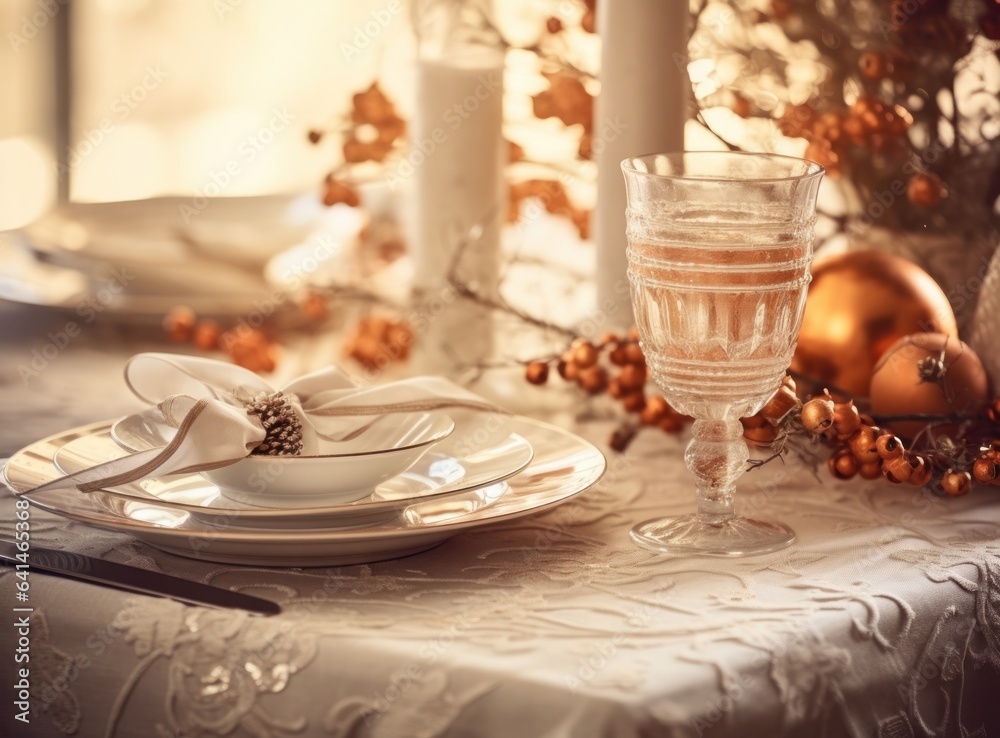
(862, 445)
(874, 115)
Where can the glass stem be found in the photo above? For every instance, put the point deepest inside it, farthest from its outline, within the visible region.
(717, 456)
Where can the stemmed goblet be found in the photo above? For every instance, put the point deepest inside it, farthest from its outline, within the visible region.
(719, 247)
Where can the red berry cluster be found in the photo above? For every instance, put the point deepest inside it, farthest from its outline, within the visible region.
(244, 345)
(248, 347)
(863, 448)
(377, 341)
(614, 364)
(868, 123)
(371, 133)
(374, 127)
(762, 429)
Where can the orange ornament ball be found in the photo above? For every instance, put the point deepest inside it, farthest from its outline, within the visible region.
(927, 373)
(859, 304)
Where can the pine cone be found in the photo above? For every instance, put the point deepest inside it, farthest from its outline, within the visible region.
(281, 424)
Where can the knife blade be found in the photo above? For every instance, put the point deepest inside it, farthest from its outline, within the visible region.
(133, 579)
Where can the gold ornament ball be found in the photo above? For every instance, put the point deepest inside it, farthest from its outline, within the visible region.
(904, 380)
(858, 305)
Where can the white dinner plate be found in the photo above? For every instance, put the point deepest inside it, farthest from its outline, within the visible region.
(564, 465)
(438, 474)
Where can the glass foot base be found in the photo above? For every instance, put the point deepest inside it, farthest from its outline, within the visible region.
(694, 535)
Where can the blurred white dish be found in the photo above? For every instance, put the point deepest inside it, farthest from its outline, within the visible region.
(341, 471)
(140, 258)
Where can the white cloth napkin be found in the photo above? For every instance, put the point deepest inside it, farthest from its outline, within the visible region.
(204, 400)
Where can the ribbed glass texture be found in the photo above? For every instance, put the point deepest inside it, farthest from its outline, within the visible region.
(719, 252)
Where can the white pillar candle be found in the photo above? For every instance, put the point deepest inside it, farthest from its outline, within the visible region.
(640, 110)
(460, 183)
(458, 154)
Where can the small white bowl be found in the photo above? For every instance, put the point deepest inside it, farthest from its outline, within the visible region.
(342, 471)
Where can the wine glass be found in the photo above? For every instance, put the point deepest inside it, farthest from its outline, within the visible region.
(719, 246)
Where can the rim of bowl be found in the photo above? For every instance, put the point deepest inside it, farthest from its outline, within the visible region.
(811, 170)
(440, 435)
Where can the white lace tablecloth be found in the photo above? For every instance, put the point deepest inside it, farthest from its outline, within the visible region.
(884, 620)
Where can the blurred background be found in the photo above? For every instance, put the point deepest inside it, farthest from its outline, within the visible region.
(171, 170)
(140, 99)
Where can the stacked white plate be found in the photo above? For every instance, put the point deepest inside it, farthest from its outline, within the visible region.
(406, 485)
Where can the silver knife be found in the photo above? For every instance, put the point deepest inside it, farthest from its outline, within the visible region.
(133, 579)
